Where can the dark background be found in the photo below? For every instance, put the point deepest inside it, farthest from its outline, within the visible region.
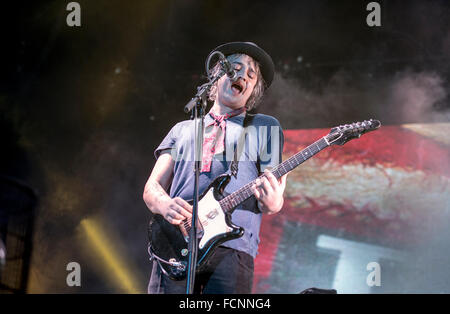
(83, 108)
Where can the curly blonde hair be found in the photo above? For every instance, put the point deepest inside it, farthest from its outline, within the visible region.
(258, 90)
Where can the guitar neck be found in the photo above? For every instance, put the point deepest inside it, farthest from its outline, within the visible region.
(229, 202)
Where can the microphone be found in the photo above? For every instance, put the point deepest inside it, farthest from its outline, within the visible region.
(228, 68)
(201, 91)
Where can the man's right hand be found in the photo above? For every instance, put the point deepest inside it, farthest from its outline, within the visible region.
(176, 210)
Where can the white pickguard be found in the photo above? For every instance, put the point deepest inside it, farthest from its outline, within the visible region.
(212, 218)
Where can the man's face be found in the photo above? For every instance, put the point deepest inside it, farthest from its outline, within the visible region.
(235, 95)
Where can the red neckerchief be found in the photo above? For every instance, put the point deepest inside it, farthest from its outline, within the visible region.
(210, 143)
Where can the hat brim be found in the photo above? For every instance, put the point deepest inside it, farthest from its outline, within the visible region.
(265, 61)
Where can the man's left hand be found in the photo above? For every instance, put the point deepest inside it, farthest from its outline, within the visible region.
(269, 192)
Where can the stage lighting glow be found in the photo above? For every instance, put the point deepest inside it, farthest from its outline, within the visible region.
(112, 259)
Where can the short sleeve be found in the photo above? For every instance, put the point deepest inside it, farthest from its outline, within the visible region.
(168, 143)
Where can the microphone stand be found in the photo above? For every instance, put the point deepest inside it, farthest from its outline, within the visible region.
(197, 105)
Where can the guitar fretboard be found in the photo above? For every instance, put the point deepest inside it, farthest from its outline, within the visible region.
(229, 202)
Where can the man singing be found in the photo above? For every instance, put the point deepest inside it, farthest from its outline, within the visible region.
(171, 182)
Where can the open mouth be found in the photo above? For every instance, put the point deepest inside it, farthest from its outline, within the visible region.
(237, 88)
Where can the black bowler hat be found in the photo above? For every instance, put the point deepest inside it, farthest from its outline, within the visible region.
(265, 61)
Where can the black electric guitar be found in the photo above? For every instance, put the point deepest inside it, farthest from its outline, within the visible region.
(168, 243)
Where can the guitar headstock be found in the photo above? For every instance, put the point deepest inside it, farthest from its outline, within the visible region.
(342, 134)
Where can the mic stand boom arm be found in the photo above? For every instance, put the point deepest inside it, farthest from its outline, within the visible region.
(203, 90)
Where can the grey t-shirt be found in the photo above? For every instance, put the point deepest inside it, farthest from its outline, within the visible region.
(263, 147)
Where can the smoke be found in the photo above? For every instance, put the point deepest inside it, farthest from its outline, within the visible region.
(104, 183)
(418, 97)
(406, 97)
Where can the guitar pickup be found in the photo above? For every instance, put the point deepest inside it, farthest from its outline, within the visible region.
(212, 214)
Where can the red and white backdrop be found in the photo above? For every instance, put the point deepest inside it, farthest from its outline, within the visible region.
(375, 199)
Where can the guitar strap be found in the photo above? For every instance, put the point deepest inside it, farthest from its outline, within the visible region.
(240, 146)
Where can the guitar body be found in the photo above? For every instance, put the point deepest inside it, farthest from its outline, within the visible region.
(168, 242)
